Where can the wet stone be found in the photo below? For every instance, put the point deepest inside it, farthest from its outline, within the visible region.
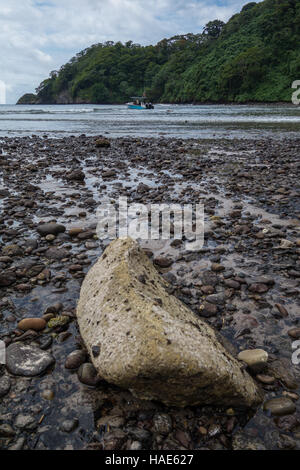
(50, 229)
(75, 359)
(256, 359)
(27, 360)
(294, 333)
(5, 385)
(163, 262)
(69, 425)
(87, 374)
(162, 423)
(6, 430)
(36, 324)
(280, 406)
(26, 422)
(208, 310)
(7, 278)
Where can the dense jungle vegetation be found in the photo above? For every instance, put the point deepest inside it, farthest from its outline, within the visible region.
(255, 56)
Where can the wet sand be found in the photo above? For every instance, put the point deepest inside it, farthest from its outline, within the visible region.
(250, 192)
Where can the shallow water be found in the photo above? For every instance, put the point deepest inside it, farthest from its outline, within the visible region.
(184, 121)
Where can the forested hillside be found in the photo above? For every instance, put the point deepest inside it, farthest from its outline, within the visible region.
(255, 56)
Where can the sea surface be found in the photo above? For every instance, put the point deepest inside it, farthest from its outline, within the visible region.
(184, 121)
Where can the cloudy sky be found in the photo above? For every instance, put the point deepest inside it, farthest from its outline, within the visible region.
(39, 36)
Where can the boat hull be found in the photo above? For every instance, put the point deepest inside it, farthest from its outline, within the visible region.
(136, 106)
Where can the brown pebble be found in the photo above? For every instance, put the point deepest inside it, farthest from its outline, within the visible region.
(36, 324)
(294, 333)
(265, 379)
(282, 310)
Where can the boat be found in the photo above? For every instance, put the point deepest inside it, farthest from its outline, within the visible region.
(140, 102)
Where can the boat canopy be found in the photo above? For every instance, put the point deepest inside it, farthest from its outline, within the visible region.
(141, 98)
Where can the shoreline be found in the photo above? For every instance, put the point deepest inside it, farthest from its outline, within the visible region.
(244, 282)
(200, 103)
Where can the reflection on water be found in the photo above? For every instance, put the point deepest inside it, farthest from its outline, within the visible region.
(185, 121)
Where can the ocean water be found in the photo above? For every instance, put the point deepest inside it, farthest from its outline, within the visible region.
(184, 121)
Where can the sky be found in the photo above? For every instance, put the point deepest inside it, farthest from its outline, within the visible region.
(37, 37)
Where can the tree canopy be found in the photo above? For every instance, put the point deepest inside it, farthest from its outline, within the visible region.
(255, 56)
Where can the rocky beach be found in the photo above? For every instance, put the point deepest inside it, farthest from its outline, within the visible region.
(244, 283)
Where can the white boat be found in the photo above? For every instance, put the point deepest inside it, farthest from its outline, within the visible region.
(140, 102)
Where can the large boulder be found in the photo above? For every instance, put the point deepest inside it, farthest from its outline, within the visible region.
(149, 342)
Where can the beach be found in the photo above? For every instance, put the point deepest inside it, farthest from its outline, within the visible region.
(244, 282)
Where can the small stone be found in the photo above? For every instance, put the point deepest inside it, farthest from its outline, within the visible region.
(50, 229)
(12, 250)
(69, 425)
(75, 268)
(87, 374)
(258, 288)
(36, 324)
(18, 445)
(76, 175)
(162, 423)
(7, 278)
(163, 262)
(135, 445)
(282, 370)
(73, 232)
(232, 284)
(112, 421)
(50, 238)
(26, 422)
(48, 395)
(57, 253)
(6, 430)
(27, 360)
(265, 379)
(294, 333)
(75, 359)
(285, 244)
(217, 299)
(5, 385)
(217, 267)
(202, 430)
(282, 310)
(207, 290)
(280, 406)
(102, 143)
(256, 359)
(208, 310)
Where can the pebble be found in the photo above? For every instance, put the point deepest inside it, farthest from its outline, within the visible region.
(6, 430)
(294, 333)
(87, 374)
(163, 262)
(256, 359)
(48, 395)
(208, 310)
(280, 406)
(75, 359)
(162, 423)
(265, 379)
(5, 385)
(26, 422)
(50, 229)
(36, 324)
(27, 360)
(69, 425)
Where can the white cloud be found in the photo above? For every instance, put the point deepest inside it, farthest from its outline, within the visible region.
(39, 36)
